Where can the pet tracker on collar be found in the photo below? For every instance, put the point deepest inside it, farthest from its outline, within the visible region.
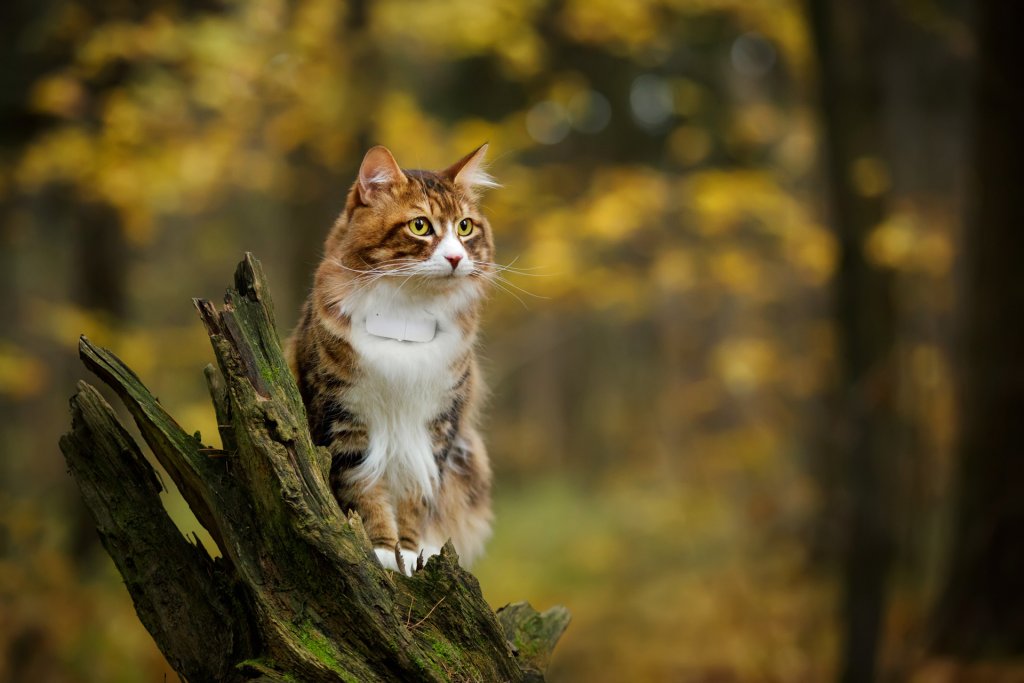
(401, 328)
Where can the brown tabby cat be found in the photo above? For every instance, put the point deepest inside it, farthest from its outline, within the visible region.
(384, 357)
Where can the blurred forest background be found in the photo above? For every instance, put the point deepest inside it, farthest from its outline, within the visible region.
(753, 408)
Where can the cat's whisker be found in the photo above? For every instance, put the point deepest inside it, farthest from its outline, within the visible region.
(394, 260)
(375, 269)
(515, 271)
(510, 293)
(510, 264)
(411, 272)
(508, 268)
(366, 282)
(402, 285)
(496, 278)
(521, 289)
(376, 279)
(491, 279)
(366, 279)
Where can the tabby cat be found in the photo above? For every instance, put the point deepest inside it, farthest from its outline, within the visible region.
(384, 357)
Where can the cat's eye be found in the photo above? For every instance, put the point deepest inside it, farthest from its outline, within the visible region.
(466, 227)
(420, 226)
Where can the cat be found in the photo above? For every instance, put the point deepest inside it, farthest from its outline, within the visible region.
(384, 357)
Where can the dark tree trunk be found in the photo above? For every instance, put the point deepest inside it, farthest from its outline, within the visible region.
(850, 42)
(368, 77)
(981, 609)
(100, 286)
(101, 254)
(298, 593)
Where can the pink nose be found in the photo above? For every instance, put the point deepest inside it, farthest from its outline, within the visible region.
(454, 260)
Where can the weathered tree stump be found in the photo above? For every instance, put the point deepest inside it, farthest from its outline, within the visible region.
(297, 594)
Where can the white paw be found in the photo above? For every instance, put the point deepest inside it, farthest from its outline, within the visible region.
(387, 558)
(409, 557)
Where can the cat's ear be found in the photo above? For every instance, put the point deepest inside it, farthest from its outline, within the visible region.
(378, 171)
(469, 171)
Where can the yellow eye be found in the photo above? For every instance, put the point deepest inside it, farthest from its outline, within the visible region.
(466, 227)
(420, 226)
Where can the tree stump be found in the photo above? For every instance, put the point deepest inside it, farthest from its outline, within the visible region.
(297, 593)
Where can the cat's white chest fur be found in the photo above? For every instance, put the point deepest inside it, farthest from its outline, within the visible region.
(402, 383)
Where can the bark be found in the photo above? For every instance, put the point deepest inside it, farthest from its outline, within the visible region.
(298, 593)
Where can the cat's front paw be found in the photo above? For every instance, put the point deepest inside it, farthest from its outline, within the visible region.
(389, 560)
(412, 558)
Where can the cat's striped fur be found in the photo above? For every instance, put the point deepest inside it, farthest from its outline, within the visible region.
(399, 417)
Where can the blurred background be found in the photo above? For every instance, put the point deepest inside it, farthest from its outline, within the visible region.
(752, 412)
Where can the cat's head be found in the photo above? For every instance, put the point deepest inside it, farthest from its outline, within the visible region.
(423, 225)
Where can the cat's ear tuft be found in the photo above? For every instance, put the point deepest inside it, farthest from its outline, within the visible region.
(378, 171)
(469, 171)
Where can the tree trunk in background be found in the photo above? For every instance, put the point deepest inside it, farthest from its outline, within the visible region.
(99, 286)
(981, 611)
(10, 406)
(313, 217)
(927, 101)
(850, 41)
(17, 123)
(101, 262)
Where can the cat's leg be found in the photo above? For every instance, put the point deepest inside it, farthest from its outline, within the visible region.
(412, 515)
(374, 506)
(462, 511)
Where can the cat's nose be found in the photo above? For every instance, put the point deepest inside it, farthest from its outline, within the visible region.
(454, 260)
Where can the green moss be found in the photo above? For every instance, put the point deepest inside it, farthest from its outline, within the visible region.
(443, 649)
(531, 638)
(318, 646)
(314, 642)
(449, 660)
